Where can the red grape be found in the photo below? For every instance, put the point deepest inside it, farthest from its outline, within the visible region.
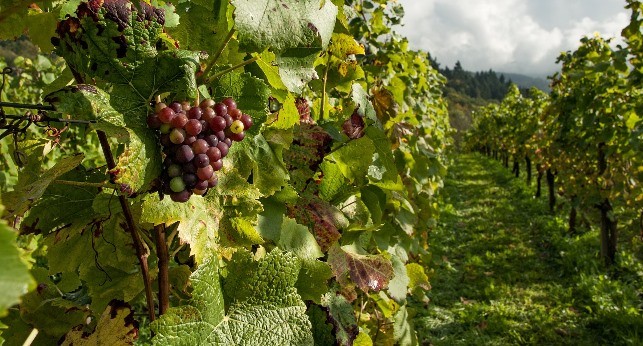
(179, 121)
(214, 154)
(217, 123)
(195, 113)
(229, 102)
(200, 146)
(220, 109)
(176, 107)
(166, 115)
(247, 121)
(216, 165)
(205, 173)
(223, 148)
(193, 127)
(235, 114)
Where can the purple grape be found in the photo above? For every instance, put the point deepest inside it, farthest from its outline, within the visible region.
(190, 180)
(217, 123)
(184, 154)
(214, 154)
(182, 196)
(201, 160)
(220, 109)
(229, 102)
(223, 147)
(212, 140)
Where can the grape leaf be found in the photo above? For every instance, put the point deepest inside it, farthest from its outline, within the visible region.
(399, 284)
(32, 186)
(27, 17)
(388, 178)
(403, 330)
(62, 204)
(296, 68)
(14, 277)
(309, 24)
(417, 276)
(354, 158)
(369, 272)
(322, 328)
(46, 310)
(203, 24)
(263, 306)
(198, 220)
(116, 326)
(341, 315)
(140, 162)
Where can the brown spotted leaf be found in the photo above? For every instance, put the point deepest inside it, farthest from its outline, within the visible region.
(368, 272)
(116, 326)
(353, 127)
(384, 104)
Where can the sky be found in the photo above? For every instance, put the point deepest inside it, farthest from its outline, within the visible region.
(519, 36)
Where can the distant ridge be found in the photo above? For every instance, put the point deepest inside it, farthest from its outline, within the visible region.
(526, 82)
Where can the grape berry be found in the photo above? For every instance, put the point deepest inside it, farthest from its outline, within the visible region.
(195, 140)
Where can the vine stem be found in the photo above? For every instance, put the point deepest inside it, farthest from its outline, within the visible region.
(84, 184)
(163, 265)
(141, 253)
(218, 53)
(242, 64)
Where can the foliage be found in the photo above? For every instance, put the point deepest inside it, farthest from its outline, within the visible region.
(587, 130)
(321, 213)
(509, 275)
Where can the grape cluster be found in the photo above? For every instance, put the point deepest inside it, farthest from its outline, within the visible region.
(195, 140)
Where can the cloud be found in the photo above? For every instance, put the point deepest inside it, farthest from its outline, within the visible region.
(507, 35)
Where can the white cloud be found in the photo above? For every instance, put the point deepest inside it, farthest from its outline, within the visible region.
(507, 35)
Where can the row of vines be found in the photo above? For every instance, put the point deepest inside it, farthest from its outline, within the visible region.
(312, 230)
(585, 137)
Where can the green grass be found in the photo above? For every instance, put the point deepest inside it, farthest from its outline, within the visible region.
(506, 272)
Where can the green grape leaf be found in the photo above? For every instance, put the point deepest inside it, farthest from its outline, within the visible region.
(314, 274)
(203, 25)
(14, 277)
(383, 172)
(267, 65)
(27, 17)
(46, 310)
(116, 326)
(418, 280)
(343, 45)
(296, 68)
(354, 158)
(63, 204)
(255, 155)
(263, 307)
(399, 285)
(332, 182)
(403, 330)
(361, 99)
(342, 316)
(322, 328)
(32, 186)
(309, 24)
(368, 272)
(198, 220)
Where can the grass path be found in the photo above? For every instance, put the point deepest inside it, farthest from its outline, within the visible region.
(506, 274)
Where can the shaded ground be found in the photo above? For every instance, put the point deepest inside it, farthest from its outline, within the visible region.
(506, 273)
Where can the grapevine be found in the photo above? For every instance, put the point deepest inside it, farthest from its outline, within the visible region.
(247, 156)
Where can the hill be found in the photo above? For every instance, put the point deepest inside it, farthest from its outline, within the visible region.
(526, 82)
